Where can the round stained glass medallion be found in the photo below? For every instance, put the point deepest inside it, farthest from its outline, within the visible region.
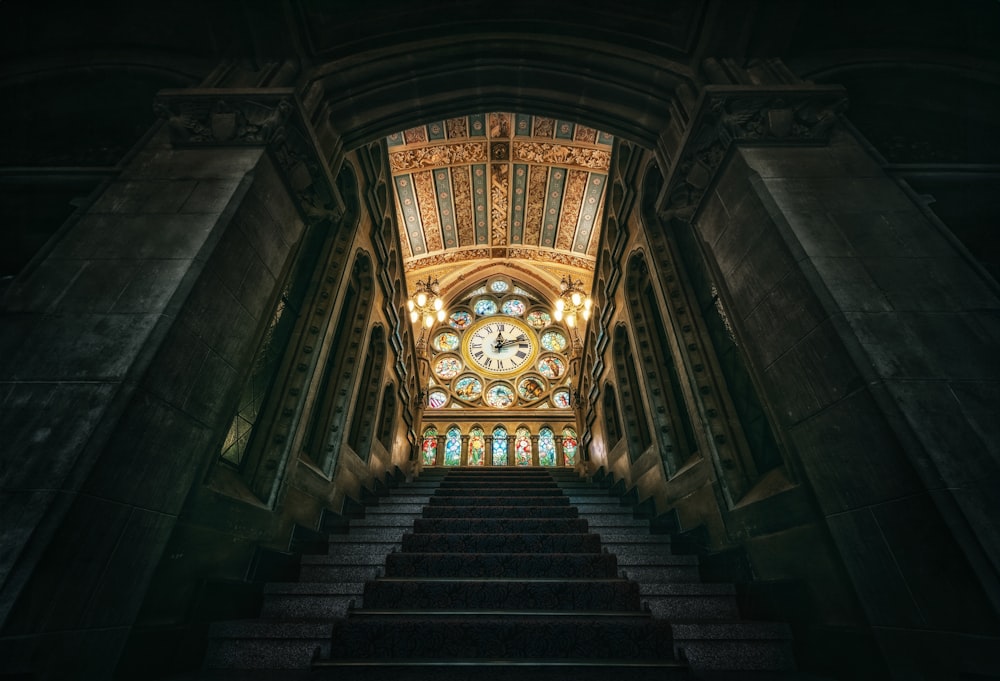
(484, 307)
(468, 388)
(553, 341)
(499, 286)
(499, 396)
(551, 367)
(560, 398)
(513, 307)
(446, 341)
(436, 399)
(530, 388)
(447, 368)
(460, 319)
(538, 319)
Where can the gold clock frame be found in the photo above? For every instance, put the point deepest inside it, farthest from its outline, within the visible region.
(521, 325)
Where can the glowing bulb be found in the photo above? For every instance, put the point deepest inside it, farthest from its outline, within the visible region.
(586, 314)
(438, 303)
(409, 305)
(428, 321)
(560, 305)
(421, 299)
(576, 299)
(571, 321)
(414, 316)
(587, 303)
(557, 314)
(440, 315)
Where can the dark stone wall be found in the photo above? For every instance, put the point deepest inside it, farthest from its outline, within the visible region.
(873, 341)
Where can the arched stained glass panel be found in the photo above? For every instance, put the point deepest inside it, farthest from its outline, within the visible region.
(429, 448)
(499, 446)
(546, 447)
(477, 446)
(453, 447)
(569, 446)
(522, 447)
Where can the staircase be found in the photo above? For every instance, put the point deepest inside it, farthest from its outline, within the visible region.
(484, 573)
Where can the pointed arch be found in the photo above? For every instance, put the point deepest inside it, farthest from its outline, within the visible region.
(453, 446)
(429, 446)
(499, 453)
(633, 405)
(522, 446)
(477, 446)
(569, 446)
(366, 404)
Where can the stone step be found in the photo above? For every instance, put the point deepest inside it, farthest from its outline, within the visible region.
(396, 508)
(635, 554)
(325, 572)
(500, 669)
(310, 600)
(502, 543)
(455, 511)
(498, 501)
(500, 636)
(743, 646)
(501, 565)
(660, 573)
(608, 594)
(630, 536)
(266, 644)
(511, 491)
(691, 601)
(500, 525)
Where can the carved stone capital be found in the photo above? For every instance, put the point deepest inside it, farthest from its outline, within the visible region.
(728, 115)
(268, 117)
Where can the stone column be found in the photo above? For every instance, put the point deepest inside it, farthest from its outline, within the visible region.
(464, 461)
(439, 459)
(534, 451)
(488, 456)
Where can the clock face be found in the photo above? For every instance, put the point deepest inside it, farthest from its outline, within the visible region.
(499, 346)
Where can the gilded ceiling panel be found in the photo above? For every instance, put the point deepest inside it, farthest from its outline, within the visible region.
(499, 185)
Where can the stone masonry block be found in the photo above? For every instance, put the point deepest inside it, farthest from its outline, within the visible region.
(851, 285)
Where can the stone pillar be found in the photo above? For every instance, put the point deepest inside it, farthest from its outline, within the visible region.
(560, 461)
(464, 461)
(439, 459)
(534, 451)
(488, 456)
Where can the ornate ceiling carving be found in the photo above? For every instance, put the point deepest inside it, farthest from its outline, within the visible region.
(499, 186)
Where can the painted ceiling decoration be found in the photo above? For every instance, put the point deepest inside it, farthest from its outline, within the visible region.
(499, 186)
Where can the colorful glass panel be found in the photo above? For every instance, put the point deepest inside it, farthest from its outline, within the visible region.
(560, 398)
(446, 341)
(530, 388)
(546, 447)
(513, 307)
(499, 446)
(468, 388)
(569, 446)
(551, 367)
(436, 399)
(553, 341)
(477, 447)
(485, 307)
(447, 367)
(460, 319)
(453, 447)
(538, 319)
(521, 292)
(429, 448)
(522, 447)
(500, 396)
(499, 286)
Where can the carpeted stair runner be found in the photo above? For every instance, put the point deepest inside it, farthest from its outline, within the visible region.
(498, 577)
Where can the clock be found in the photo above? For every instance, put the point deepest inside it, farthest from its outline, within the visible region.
(500, 346)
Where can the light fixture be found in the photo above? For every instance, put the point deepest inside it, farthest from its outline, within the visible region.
(427, 304)
(572, 302)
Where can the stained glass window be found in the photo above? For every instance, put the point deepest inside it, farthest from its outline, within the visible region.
(485, 307)
(447, 367)
(468, 388)
(499, 286)
(513, 307)
(446, 341)
(530, 388)
(546, 447)
(522, 447)
(553, 341)
(551, 367)
(477, 446)
(460, 319)
(430, 446)
(538, 319)
(560, 398)
(500, 396)
(453, 447)
(499, 446)
(569, 446)
(436, 399)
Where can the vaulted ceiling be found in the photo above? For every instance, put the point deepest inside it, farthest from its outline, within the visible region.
(493, 187)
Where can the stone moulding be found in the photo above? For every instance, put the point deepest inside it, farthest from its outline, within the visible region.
(268, 117)
(727, 115)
